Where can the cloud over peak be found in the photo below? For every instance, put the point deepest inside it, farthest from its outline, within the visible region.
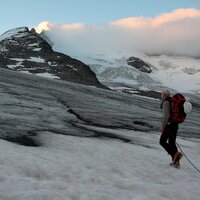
(177, 33)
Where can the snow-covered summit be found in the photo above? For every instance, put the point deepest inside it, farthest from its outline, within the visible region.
(16, 32)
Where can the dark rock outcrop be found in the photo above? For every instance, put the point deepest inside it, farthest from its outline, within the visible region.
(139, 64)
(24, 50)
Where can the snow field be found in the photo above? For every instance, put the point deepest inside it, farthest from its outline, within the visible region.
(68, 167)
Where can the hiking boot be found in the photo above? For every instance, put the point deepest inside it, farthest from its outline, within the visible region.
(177, 157)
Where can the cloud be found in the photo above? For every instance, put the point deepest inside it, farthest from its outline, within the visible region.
(141, 22)
(43, 26)
(177, 33)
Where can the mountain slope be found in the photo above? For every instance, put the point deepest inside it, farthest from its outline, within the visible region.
(165, 72)
(24, 50)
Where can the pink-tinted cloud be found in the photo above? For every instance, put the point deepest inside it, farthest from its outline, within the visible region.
(142, 22)
(133, 22)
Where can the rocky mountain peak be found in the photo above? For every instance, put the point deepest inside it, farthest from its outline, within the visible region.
(139, 64)
(20, 42)
(24, 50)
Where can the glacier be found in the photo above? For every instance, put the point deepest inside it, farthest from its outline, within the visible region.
(61, 140)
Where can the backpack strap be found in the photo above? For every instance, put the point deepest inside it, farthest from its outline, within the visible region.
(166, 99)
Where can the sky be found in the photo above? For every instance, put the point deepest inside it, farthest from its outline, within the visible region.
(29, 13)
(152, 26)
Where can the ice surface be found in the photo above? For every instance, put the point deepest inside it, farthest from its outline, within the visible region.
(88, 144)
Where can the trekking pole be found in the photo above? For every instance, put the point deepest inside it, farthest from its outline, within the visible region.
(187, 158)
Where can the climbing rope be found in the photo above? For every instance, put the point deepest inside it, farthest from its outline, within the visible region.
(187, 158)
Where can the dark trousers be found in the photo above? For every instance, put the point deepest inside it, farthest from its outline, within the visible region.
(168, 138)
